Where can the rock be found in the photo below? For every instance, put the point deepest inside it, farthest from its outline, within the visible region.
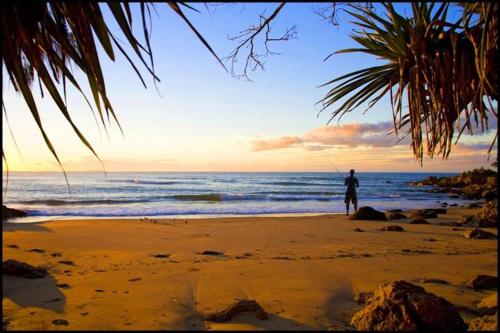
(60, 322)
(368, 213)
(395, 211)
(489, 195)
(476, 233)
(237, 308)
(67, 262)
(11, 212)
(212, 253)
(359, 230)
(487, 216)
(488, 305)
(22, 269)
(474, 205)
(430, 213)
(484, 323)
(363, 296)
(472, 191)
(402, 306)
(482, 281)
(418, 219)
(491, 181)
(396, 216)
(393, 228)
(453, 205)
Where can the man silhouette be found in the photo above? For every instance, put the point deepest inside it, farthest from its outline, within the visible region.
(350, 194)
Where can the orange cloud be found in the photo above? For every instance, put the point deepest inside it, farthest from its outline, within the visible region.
(279, 143)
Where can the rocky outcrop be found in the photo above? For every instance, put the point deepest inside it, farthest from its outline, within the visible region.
(22, 269)
(402, 306)
(475, 184)
(482, 281)
(11, 212)
(368, 213)
(239, 307)
(484, 323)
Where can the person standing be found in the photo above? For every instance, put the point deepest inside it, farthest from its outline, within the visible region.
(350, 195)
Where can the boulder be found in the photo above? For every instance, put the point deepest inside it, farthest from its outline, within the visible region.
(476, 233)
(482, 281)
(488, 305)
(427, 213)
(487, 216)
(11, 212)
(472, 191)
(392, 228)
(22, 269)
(363, 296)
(403, 306)
(239, 307)
(484, 323)
(418, 219)
(396, 216)
(368, 213)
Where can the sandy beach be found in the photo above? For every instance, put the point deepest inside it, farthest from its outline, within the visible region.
(304, 271)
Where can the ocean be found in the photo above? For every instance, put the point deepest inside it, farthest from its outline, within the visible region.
(202, 194)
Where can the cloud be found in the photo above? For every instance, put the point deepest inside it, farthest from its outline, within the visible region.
(349, 135)
(279, 143)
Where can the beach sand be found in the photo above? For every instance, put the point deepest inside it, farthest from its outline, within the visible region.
(304, 271)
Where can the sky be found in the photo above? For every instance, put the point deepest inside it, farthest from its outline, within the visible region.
(203, 119)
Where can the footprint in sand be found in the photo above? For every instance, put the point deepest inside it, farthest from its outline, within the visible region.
(67, 262)
(12, 246)
(135, 279)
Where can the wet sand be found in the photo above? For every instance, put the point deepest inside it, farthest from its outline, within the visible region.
(304, 271)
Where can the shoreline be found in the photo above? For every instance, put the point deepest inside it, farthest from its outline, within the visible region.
(303, 270)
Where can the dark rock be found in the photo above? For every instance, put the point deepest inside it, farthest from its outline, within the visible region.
(363, 296)
(396, 216)
(482, 281)
(402, 306)
(160, 255)
(418, 219)
(237, 308)
(393, 228)
(56, 254)
(37, 250)
(489, 195)
(395, 211)
(359, 230)
(22, 269)
(11, 212)
(489, 305)
(67, 262)
(484, 323)
(368, 213)
(60, 322)
(453, 205)
(211, 253)
(63, 285)
(477, 233)
(474, 205)
(472, 191)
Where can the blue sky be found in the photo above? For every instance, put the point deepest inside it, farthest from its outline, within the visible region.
(206, 119)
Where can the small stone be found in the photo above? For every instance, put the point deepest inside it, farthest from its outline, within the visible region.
(60, 322)
(211, 253)
(67, 262)
(359, 230)
(393, 228)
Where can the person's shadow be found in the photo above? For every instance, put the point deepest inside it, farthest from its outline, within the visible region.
(42, 293)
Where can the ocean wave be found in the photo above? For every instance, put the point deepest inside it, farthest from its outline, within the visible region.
(294, 184)
(144, 182)
(58, 202)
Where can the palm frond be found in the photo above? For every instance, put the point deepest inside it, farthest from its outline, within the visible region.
(429, 66)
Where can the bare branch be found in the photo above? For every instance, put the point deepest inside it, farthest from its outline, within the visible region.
(248, 39)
